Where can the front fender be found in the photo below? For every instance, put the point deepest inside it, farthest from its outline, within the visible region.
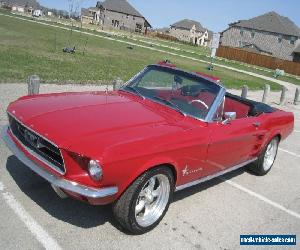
(146, 166)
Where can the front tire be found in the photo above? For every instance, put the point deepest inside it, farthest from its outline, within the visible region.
(143, 205)
(266, 159)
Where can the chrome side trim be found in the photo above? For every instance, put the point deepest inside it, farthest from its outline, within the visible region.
(35, 154)
(207, 178)
(54, 180)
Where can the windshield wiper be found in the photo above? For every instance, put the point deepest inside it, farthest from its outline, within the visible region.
(169, 103)
(134, 90)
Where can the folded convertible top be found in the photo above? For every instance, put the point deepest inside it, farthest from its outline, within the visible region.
(256, 108)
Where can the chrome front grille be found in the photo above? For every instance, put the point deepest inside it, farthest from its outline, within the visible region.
(37, 145)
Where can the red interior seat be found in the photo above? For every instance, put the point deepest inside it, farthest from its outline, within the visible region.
(241, 109)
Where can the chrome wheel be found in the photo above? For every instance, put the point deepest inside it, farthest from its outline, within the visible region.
(270, 154)
(152, 200)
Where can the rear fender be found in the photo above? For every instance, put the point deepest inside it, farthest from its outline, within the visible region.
(270, 136)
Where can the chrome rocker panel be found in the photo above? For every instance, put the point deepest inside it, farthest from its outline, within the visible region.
(54, 180)
(210, 177)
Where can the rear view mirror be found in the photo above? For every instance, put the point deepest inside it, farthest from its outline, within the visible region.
(228, 117)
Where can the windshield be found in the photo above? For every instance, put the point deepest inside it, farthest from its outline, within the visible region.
(186, 93)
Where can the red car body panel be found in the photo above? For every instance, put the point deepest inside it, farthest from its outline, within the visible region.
(129, 135)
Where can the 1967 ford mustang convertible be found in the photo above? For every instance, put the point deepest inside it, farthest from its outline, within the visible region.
(163, 131)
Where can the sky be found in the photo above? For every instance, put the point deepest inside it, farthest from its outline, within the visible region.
(214, 15)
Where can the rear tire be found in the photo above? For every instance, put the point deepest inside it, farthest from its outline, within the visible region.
(266, 159)
(143, 205)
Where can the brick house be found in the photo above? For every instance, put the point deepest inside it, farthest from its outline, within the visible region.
(119, 14)
(190, 31)
(269, 34)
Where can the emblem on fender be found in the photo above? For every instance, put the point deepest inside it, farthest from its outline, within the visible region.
(186, 171)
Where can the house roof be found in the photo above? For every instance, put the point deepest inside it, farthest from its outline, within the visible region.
(29, 3)
(188, 24)
(93, 9)
(121, 6)
(271, 22)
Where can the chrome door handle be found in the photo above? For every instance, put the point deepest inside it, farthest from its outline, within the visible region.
(256, 124)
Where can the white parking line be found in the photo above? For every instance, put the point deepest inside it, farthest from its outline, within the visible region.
(40, 234)
(262, 198)
(297, 131)
(289, 152)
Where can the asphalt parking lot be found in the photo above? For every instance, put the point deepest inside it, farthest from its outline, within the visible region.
(212, 215)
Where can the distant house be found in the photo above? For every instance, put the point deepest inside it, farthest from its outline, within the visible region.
(18, 8)
(23, 6)
(162, 31)
(270, 34)
(118, 14)
(190, 31)
(90, 15)
(296, 52)
(37, 13)
(30, 10)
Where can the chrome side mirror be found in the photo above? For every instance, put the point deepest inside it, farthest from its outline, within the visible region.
(229, 116)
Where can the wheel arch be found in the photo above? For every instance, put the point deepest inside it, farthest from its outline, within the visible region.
(269, 138)
(273, 135)
(168, 164)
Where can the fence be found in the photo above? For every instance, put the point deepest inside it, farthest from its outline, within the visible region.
(258, 59)
(163, 36)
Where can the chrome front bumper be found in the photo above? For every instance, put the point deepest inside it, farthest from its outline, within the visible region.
(54, 180)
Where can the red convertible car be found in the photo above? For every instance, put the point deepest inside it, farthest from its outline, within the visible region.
(165, 130)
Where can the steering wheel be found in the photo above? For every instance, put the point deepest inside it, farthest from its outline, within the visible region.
(200, 101)
(192, 90)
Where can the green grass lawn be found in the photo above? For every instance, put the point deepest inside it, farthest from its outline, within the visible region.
(29, 48)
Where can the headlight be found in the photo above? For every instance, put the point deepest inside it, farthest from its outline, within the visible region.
(95, 170)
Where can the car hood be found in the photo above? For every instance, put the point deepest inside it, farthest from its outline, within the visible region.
(73, 119)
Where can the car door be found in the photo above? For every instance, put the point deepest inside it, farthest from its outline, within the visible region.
(233, 143)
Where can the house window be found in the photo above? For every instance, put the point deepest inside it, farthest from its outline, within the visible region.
(242, 32)
(252, 34)
(138, 28)
(133, 18)
(115, 23)
(292, 41)
(279, 38)
(240, 44)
